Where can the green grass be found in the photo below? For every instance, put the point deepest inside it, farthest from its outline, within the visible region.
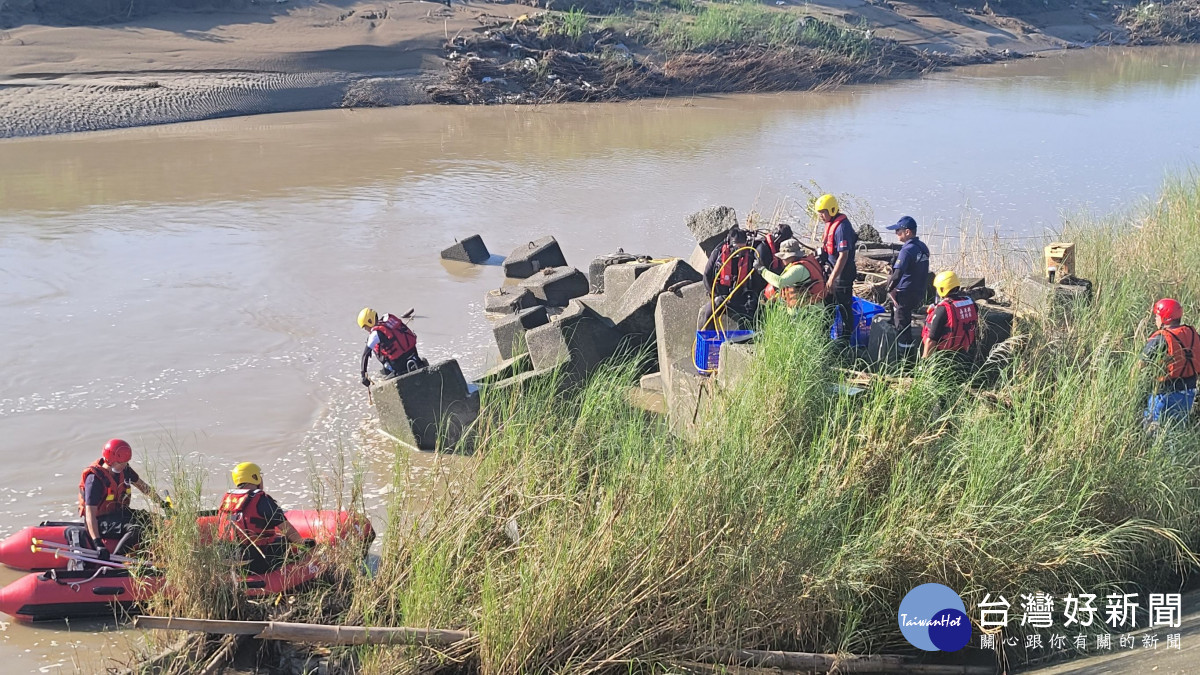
(751, 23)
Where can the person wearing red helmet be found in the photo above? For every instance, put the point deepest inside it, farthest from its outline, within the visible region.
(104, 492)
(1174, 350)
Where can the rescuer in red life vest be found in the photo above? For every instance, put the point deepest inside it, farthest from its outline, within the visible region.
(802, 280)
(951, 322)
(837, 255)
(250, 518)
(730, 266)
(104, 492)
(392, 342)
(1175, 349)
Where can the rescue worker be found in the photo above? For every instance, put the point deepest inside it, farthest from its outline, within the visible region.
(802, 281)
(837, 256)
(767, 245)
(105, 489)
(391, 341)
(1175, 349)
(906, 285)
(250, 518)
(951, 322)
(730, 266)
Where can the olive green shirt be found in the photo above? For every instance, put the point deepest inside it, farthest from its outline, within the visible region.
(794, 274)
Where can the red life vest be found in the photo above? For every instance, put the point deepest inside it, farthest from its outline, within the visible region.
(239, 520)
(811, 291)
(829, 245)
(774, 263)
(116, 491)
(395, 339)
(742, 264)
(962, 317)
(1183, 352)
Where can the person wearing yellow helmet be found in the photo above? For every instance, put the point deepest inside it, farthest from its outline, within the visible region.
(837, 256)
(250, 518)
(950, 323)
(391, 341)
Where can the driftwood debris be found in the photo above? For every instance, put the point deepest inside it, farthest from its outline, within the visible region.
(308, 633)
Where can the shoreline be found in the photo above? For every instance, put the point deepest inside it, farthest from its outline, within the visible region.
(182, 66)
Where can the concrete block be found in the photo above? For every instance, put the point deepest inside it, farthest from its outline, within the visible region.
(427, 408)
(650, 401)
(598, 265)
(506, 369)
(675, 317)
(577, 343)
(509, 300)
(471, 250)
(688, 399)
(592, 302)
(867, 233)
(652, 382)
(633, 312)
(710, 226)
(735, 362)
(698, 259)
(522, 380)
(555, 286)
(527, 259)
(510, 333)
(618, 278)
(1032, 294)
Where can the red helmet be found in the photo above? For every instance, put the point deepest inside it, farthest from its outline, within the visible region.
(1168, 310)
(117, 451)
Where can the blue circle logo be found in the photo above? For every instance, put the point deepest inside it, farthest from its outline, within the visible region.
(932, 617)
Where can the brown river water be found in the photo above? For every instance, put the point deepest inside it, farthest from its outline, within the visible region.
(193, 288)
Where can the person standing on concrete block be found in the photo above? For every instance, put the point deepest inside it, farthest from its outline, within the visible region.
(392, 342)
(728, 276)
(951, 322)
(250, 518)
(802, 281)
(1175, 350)
(906, 285)
(837, 255)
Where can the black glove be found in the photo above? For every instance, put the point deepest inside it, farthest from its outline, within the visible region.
(366, 380)
(102, 553)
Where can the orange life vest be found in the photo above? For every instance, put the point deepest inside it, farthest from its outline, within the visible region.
(726, 279)
(807, 293)
(116, 491)
(395, 338)
(239, 520)
(1183, 352)
(962, 317)
(828, 243)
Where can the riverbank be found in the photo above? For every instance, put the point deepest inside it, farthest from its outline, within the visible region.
(274, 57)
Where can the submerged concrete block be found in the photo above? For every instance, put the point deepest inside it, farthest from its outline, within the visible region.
(427, 408)
(510, 333)
(555, 286)
(509, 300)
(471, 250)
(527, 259)
(577, 343)
(618, 278)
(710, 226)
(601, 263)
(633, 312)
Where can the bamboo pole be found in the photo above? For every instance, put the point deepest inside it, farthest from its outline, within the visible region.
(832, 662)
(308, 633)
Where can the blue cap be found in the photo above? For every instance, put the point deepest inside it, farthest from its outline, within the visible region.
(905, 223)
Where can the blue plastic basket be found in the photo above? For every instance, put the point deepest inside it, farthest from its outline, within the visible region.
(708, 347)
(865, 312)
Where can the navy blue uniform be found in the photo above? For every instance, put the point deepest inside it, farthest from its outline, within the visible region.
(907, 284)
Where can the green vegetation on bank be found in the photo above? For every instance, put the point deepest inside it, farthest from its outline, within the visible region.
(584, 537)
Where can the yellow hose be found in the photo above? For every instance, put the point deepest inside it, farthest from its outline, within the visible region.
(717, 312)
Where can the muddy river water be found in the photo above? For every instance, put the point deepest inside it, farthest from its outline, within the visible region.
(193, 288)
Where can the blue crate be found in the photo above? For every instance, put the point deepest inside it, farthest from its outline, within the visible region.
(865, 312)
(708, 347)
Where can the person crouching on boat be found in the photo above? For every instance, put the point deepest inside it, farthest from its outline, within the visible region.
(104, 491)
(250, 518)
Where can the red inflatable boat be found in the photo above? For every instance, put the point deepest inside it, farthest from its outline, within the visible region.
(323, 526)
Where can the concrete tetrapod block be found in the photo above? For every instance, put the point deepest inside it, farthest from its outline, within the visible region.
(698, 259)
(555, 286)
(509, 300)
(505, 369)
(710, 226)
(1032, 294)
(577, 344)
(676, 314)
(426, 405)
(510, 332)
(471, 250)
(688, 399)
(633, 312)
(734, 364)
(527, 259)
(596, 269)
(618, 278)
(652, 382)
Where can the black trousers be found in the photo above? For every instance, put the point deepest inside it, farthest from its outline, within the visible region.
(842, 302)
(265, 557)
(902, 314)
(405, 363)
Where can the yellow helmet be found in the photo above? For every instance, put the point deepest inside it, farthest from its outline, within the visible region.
(826, 203)
(247, 472)
(367, 318)
(945, 282)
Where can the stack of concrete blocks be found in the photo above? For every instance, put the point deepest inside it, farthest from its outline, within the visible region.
(602, 263)
(428, 409)
(527, 259)
(633, 312)
(574, 344)
(469, 250)
(709, 228)
(556, 286)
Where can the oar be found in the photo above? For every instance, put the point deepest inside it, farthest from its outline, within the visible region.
(409, 313)
(67, 548)
(59, 553)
